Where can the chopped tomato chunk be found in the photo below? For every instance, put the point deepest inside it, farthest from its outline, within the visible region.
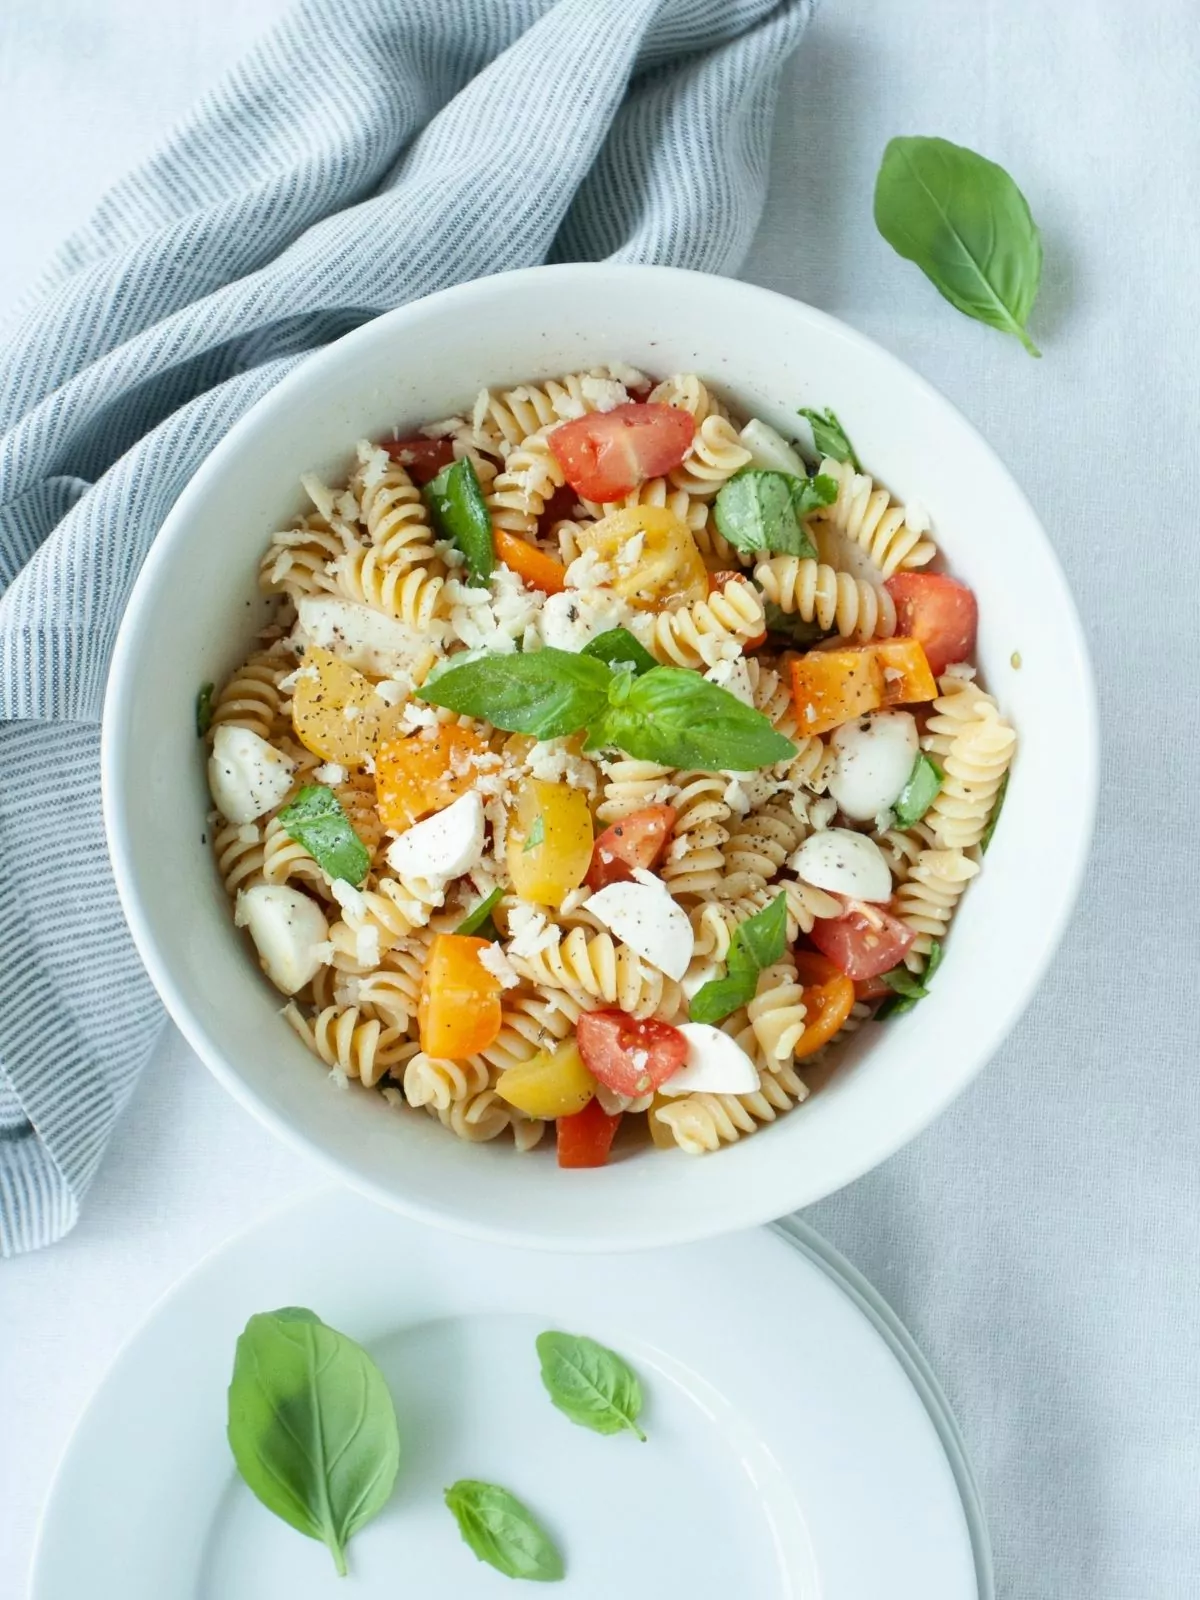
(458, 1009)
(939, 611)
(539, 570)
(629, 1055)
(585, 1139)
(607, 454)
(421, 458)
(830, 687)
(415, 775)
(907, 676)
(863, 943)
(638, 840)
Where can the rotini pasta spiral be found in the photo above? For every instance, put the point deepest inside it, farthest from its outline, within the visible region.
(430, 1081)
(502, 421)
(713, 457)
(285, 859)
(375, 920)
(655, 492)
(239, 852)
(396, 519)
(361, 1048)
(298, 560)
(686, 392)
(704, 1122)
(864, 530)
(477, 1119)
(520, 491)
(704, 632)
(693, 863)
(974, 746)
(529, 1023)
(251, 696)
(599, 969)
(836, 602)
(629, 785)
(777, 1012)
(409, 594)
(928, 896)
(760, 844)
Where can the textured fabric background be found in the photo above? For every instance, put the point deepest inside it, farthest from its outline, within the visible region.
(1041, 1239)
(367, 153)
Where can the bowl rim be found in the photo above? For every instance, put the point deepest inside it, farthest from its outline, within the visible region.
(1045, 938)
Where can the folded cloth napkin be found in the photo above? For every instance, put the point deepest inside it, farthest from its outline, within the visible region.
(368, 152)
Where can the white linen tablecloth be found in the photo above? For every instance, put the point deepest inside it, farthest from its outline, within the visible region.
(1041, 1240)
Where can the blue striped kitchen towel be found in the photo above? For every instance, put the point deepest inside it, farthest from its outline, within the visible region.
(366, 153)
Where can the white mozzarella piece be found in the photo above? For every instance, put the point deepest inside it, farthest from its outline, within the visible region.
(443, 846)
(872, 759)
(289, 931)
(359, 635)
(843, 862)
(696, 977)
(770, 449)
(716, 1064)
(735, 677)
(649, 921)
(246, 775)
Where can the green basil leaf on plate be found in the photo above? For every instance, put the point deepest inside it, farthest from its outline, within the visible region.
(460, 514)
(316, 820)
(618, 647)
(676, 717)
(478, 922)
(830, 437)
(312, 1426)
(964, 222)
(590, 1383)
(548, 693)
(503, 1532)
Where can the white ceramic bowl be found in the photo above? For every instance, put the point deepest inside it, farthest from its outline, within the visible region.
(196, 608)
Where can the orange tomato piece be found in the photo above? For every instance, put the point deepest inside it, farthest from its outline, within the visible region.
(534, 566)
(458, 1010)
(416, 774)
(907, 658)
(830, 687)
(828, 998)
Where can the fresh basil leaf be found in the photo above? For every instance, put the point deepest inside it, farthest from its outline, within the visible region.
(479, 921)
(312, 1426)
(919, 793)
(758, 510)
(537, 835)
(676, 717)
(830, 438)
(315, 819)
(460, 514)
(619, 645)
(757, 942)
(590, 1384)
(790, 626)
(548, 693)
(968, 227)
(204, 700)
(721, 997)
(997, 808)
(908, 987)
(503, 1532)
(810, 494)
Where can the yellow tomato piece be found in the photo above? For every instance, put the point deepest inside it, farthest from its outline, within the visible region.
(549, 841)
(419, 773)
(907, 679)
(667, 563)
(458, 1009)
(335, 710)
(830, 687)
(552, 1084)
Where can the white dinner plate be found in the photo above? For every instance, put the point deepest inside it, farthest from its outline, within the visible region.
(798, 1447)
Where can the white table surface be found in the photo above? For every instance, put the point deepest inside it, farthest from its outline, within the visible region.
(1041, 1240)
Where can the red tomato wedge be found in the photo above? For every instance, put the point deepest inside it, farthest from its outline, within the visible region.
(421, 458)
(607, 454)
(861, 945)
(638, 840)
(940, 612)
(627, 1054)
(585, 1138)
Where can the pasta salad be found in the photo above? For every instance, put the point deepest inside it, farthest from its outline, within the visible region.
(603, 761)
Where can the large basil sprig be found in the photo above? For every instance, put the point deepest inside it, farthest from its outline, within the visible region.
(312, 1426)
(668, 714)
(968, 227)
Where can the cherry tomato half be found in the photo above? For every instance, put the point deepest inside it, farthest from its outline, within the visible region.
(606, 454)
(940, 612)
(421, 458)
(629, 1055)
(863, 946)
(638, 840)
(828, 999)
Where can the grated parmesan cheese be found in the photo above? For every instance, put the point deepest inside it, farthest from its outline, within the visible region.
(492, 959)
